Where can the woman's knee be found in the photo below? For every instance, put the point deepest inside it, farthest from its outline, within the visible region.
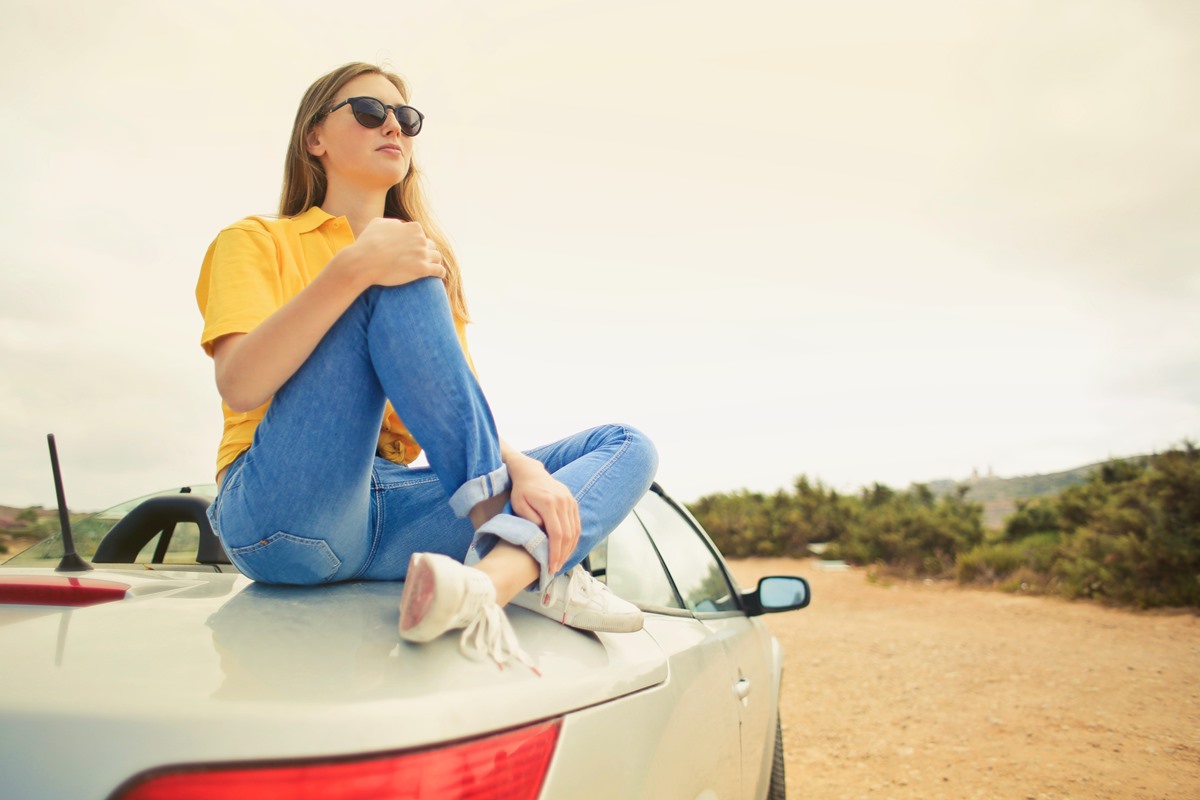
(635, 445)
(423, 293)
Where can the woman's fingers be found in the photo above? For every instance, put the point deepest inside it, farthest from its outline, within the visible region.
(526, 506)
(570, 531)
(568, 521)
(558, 547)
(399, 252)
(559, 534)
(556, 512)
(437, 263)
(539, 497)
(528, 512)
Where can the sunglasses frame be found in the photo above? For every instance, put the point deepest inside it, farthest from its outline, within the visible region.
(395, 109)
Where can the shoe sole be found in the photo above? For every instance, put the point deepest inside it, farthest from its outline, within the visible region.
(588, 621)
(605, 624)
(420, 586)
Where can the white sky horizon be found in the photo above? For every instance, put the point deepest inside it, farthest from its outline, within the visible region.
(862, 242)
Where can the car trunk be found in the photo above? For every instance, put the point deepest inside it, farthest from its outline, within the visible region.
(192, 667)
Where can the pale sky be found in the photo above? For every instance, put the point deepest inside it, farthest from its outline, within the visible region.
(862, 241)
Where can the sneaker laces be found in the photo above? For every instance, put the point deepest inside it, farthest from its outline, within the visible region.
(584, 587)
(489, 634)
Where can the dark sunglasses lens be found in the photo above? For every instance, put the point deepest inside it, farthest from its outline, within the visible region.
(369, 113)
(409, 119)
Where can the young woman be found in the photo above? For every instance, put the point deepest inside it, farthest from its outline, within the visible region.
(337, 332)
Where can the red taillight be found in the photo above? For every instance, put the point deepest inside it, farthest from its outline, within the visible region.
(54, 590)
(507, 766)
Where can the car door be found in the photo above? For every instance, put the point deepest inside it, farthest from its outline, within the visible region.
(699, 753)
(707, 591)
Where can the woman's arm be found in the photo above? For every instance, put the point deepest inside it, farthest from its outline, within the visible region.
(538, 497)
(250, 367)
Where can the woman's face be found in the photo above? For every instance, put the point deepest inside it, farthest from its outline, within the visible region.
(370, 158)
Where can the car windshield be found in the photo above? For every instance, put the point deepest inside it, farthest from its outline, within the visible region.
(88, 531)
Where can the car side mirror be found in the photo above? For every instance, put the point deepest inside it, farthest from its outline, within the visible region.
(777, 593)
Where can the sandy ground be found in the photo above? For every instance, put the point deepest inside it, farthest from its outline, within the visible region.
(914, 690)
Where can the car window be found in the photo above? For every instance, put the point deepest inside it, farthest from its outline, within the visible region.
(627, 561)
(181, 547)
(698, 575)
(89, 531)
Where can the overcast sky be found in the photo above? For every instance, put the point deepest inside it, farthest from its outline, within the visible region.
(862, 241)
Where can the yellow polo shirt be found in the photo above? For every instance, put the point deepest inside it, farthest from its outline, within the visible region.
(252, 268)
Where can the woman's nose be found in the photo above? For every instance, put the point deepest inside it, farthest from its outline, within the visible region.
(391, 123)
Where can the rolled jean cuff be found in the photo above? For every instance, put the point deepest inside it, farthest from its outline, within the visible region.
(476, 490)
(518, 531)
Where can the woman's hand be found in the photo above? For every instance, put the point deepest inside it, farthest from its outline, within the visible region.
(538, 497)
(251, 367)
(391, 252)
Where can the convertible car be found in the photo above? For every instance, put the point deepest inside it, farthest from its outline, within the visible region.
(163, 673)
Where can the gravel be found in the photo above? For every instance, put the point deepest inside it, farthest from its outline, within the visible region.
(896, 689)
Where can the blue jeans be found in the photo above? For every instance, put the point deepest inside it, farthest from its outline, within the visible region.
(309, 502)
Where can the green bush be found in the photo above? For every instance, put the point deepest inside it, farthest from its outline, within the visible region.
(912, 531)
(1032, 517)
(1129, 535)
(1140, 544)
(997, 562)
(746, 523)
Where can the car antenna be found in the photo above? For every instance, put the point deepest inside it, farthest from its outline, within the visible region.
(71, 562)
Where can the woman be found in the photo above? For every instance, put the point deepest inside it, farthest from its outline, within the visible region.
(337, 333)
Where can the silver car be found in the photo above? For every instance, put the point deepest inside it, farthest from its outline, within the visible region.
(165, 673)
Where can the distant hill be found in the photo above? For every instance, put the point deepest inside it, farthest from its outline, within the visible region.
(999, 496)
(9, 514)
(16, 533)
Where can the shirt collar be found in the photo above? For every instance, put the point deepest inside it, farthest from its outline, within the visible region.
(312, 219)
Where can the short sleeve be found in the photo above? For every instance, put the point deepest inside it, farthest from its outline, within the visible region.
(240, 284)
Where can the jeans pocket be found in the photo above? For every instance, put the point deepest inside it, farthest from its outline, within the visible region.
(285, 558)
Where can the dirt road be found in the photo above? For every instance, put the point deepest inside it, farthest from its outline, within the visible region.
(913, 690)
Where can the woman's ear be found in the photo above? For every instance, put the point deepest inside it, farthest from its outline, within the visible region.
(313, 143)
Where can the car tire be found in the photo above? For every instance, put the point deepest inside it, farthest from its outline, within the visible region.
(778, 790)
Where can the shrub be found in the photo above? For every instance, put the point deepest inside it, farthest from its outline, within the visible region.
(1129, 535)
(1032, 517)
(1139, 543)
(990, 563)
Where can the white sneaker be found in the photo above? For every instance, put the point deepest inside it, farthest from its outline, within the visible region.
(441, 595)
(577, 599)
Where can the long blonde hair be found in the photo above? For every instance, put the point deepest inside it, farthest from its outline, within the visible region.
(304, 181)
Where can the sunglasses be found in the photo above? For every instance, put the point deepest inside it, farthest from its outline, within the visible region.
(372, 113)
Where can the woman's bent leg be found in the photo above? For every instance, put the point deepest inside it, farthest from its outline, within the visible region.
(417, 356)
(297, 506)
(607, 469)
